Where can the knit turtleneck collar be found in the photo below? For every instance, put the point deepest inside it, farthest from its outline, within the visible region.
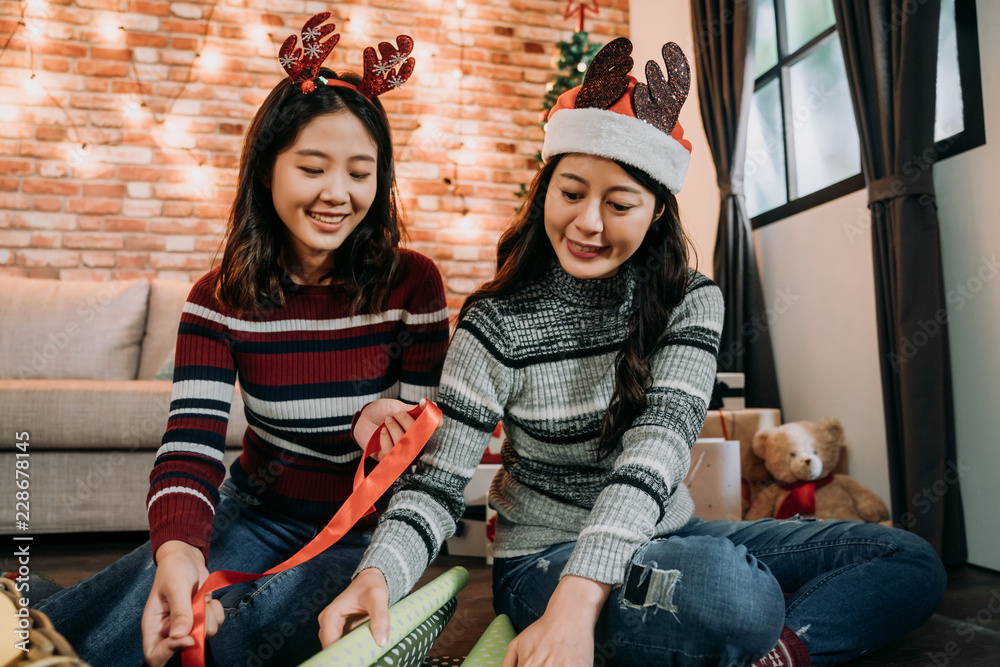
(600, 292)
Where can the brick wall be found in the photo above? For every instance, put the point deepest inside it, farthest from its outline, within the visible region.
(121, 123)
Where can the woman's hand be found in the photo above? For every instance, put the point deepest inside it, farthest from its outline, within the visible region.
(385, 411)
(168, 617)
(564, 635)
(366, 597)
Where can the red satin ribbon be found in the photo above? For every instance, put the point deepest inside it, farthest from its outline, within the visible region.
(359, 504)
(801, 498)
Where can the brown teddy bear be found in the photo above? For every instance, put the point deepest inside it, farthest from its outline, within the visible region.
(801, 456)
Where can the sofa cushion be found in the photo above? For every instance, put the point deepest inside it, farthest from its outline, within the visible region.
(60, 329)
(166, 301)
(96, 415)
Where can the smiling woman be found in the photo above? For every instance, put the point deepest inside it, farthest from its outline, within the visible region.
(322, 188)
(596, 215)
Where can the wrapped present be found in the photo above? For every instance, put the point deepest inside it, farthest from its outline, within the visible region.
(492, 453)
(728, 393)
(714, 479)
(741, 425)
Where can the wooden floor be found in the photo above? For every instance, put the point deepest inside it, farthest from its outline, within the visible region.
(965, 632)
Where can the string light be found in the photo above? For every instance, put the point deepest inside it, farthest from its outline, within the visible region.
(110, 31)
(33, 86)
(132, 109)
(210, 60)
(259, 34)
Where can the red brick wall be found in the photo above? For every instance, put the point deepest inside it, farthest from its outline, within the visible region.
(161, 94)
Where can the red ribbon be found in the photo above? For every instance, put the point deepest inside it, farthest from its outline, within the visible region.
(359, 504)
(801, 498)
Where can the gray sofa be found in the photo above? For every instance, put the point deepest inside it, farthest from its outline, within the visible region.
(78, 368)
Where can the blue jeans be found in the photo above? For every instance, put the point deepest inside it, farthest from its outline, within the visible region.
(270, 621)
(719, 592)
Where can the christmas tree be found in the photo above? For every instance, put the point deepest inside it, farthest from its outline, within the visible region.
(574, 58)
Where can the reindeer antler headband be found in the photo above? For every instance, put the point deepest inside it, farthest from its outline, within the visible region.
(614, 116)
(380, 74)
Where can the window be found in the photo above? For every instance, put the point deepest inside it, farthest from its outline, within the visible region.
(802, 141)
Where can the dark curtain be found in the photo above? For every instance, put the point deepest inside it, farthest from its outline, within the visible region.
(723, 31)
(890, 50)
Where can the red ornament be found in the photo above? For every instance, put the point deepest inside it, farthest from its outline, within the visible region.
(580, 7)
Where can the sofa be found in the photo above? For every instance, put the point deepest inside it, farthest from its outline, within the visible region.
(78, 368)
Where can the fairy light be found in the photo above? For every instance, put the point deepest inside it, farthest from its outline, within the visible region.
(34, 88)
(456, 73)
(175, 137)
(259, 34)
(110, 31)
(132, 109)
(33, 29)
(580, 67)
(80, 155)
(210, 60)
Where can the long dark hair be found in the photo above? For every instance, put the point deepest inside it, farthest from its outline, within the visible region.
(253, 275)
(661, 271)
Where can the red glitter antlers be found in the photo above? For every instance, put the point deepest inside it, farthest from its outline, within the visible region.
(302, 64)
(380, 74)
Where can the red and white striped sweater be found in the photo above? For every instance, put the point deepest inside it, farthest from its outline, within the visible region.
(304, 370)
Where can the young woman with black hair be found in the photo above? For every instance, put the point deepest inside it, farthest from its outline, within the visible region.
(596, 345)
(322, 318)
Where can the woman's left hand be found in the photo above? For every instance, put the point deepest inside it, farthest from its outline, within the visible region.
(564, 635)
(392, 414)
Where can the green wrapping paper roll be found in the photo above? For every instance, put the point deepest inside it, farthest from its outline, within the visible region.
(414, 647)
(358, 647)
(491, 648)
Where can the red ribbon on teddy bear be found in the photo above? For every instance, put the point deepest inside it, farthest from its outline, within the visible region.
(801, 498)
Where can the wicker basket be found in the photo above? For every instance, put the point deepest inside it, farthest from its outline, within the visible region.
(47, 648)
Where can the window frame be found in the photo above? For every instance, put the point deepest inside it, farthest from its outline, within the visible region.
(974, 125)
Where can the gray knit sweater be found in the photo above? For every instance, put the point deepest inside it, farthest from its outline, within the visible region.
(542, 359)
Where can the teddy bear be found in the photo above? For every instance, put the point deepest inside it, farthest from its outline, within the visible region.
(801, 457)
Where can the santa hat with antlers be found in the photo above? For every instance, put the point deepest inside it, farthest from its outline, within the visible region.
(380, 74)
(614, 116)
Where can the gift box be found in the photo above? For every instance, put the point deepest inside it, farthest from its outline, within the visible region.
(741, 425)
(729, 392)
(714, 479)
(492, 453)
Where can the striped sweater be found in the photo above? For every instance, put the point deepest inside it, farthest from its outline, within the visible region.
(542, 359)
(304, 370)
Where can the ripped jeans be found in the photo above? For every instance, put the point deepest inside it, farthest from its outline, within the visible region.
(719, 592)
